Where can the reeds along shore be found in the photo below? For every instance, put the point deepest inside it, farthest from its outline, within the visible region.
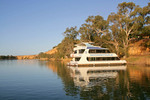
(139, 60)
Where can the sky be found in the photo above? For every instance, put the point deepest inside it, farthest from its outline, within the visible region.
(28, 27)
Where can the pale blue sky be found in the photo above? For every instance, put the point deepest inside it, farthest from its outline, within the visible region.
(33, 26)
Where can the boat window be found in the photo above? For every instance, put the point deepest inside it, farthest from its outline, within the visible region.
(92, 58)
(81, 79)
(81, 50)
(92, 51)
(102, 58)
(77, 58)
(99, 51)
(102, 51)
(77, 72)
(107, 51)
(75, 51)
(116, 58)
(98, 58)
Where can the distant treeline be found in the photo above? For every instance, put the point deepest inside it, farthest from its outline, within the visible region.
(129, 24)
(9, 57)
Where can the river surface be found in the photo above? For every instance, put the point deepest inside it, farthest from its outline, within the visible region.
(43, 80)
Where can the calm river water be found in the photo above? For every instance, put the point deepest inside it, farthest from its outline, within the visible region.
(43, 80)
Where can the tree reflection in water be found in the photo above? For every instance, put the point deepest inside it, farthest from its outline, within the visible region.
(64, 73)
(131, 83)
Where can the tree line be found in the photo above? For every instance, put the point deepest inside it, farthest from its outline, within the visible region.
(8, 57)
(130, 23)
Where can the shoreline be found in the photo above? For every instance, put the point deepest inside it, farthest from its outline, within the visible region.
(143, 60)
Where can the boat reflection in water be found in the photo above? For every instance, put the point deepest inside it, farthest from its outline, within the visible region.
(103, 82)
(94, 76)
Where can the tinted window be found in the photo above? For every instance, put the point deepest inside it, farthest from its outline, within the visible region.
(77, 59)
(75, 51)
(99, 51)
(102, 58)
(92, 51)
(81, 50)
(107, 51)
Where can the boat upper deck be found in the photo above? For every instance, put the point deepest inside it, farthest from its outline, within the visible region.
(88, 46)
(91, 51)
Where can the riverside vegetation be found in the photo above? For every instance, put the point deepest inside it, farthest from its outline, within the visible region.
(129, 25)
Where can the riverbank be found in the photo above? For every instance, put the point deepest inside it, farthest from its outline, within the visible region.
(143, 60)
(138, 60)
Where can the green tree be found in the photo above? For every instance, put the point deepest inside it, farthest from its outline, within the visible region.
(130, 22)
(126, 23)
(44, 55)
(93, 29)
(144, 20)
(65, 48)
(71, 33)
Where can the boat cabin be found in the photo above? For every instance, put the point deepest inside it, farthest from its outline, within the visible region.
(87, 54)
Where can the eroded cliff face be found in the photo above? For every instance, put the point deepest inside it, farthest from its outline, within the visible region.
(137, 48)
(52, 51)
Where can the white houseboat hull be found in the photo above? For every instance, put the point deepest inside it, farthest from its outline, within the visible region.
(98, 63)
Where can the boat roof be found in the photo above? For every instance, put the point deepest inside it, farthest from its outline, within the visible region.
(89, 46)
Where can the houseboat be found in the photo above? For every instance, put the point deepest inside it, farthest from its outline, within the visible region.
(85, 54)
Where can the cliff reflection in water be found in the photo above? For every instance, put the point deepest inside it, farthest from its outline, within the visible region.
(140, 75)
(104, 83)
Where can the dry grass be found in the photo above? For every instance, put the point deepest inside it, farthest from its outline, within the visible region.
(139, 60)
